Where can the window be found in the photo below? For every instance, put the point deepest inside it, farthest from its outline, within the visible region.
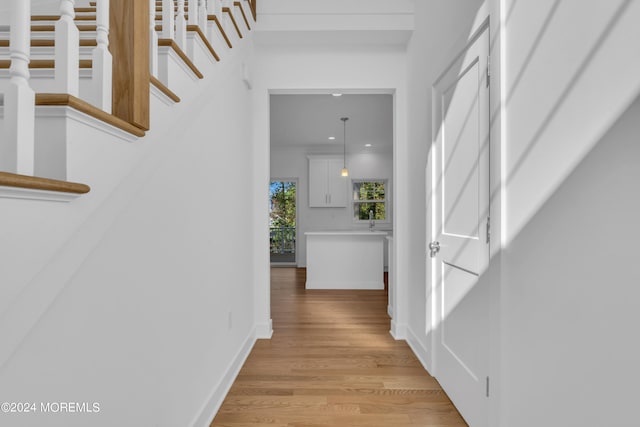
(370, 198)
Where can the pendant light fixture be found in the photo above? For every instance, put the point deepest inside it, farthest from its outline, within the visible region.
(345, 171)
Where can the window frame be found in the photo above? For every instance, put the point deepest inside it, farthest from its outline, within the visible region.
(386, 200)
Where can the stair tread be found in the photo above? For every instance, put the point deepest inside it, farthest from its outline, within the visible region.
(37, 18)
(45, 63)
(50, 42)
(53, 27)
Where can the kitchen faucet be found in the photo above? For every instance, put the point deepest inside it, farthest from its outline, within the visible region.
(371, 221)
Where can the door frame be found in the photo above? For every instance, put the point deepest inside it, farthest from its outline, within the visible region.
(492, 16)
(432, 226)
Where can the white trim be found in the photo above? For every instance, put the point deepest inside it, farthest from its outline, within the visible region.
(63, 111)
(264, 331)
(161, 96)
(347, 284)
(195, 41)
(33, 194)
(167, 52)
(220, 390)
(398, 330)
(418, 349)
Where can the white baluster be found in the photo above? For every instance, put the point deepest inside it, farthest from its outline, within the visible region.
(168, 22)
(67, 50)
(210, 26)
(202, 15)
(17, 142)
(102, 59)
(193, 12)
(153, 40)
(225, 18)
(181, 27)
(214, 7)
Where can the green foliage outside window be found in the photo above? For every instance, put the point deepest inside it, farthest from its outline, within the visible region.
(282, 216)
(369, 196)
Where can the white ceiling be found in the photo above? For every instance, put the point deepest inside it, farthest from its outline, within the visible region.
(308, 121)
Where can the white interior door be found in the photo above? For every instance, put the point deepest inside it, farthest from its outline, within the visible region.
(460, 242)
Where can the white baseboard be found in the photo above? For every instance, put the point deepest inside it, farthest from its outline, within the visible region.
(219, 392)
(398, 330)
(264, 331)
(419, 349)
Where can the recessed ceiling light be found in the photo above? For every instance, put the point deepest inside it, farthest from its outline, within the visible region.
(336, 94)
(331, 138)
(367, 145)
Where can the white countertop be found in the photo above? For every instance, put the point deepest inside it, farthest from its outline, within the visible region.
(347, 233)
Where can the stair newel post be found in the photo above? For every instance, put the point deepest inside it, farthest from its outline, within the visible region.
(202, 15)
(153, 39)
(67, 50)
(129, 23)
(17, 137)
(192, 17)
(168, 19)
(181, 26)
(102, 60)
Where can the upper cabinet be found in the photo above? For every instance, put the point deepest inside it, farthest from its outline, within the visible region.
(327, 188)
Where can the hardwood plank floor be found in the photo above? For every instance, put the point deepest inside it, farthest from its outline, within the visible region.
(331, 362)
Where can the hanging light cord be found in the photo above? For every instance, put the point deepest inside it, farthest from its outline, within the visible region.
(344, 139)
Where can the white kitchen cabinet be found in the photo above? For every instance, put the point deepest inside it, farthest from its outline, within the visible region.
(327, 188)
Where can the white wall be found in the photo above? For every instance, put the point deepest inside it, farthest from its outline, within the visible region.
(561, 318)
(571, 225)
(571, 295)
(136, 295)
(293, 163)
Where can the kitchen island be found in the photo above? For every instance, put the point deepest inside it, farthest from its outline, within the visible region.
(345, 259)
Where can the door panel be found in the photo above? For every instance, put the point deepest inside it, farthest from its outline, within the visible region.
(460, 212)
(460, 185)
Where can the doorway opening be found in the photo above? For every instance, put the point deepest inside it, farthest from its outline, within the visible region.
(282, 221)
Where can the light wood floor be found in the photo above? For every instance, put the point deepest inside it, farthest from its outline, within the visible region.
(331, 362)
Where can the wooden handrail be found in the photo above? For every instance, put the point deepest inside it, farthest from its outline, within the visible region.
(133, 125)
(63, 99)
(162, 88)
(35, 183)
(173, 45)
(254, 11)
(215, 19)
(196, 29)
(233, 20)
(244, 17)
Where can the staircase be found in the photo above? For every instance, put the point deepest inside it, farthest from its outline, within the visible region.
(58, 78)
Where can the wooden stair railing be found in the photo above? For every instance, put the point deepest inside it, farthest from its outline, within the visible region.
(133, 66)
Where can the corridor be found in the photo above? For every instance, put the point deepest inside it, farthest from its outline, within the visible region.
(332, 362)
